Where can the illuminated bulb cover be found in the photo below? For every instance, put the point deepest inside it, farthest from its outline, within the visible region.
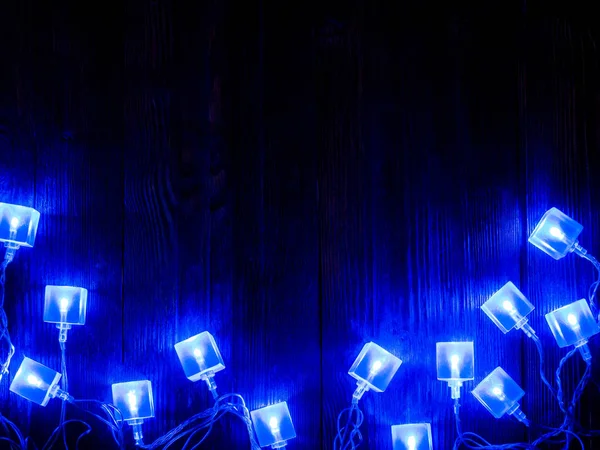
(34, 381)
(498, 392)
(199, 356)
(455, 361)
(134, 399)
(375, 366)
(65, 304)
(556, 233)
(412, 436)
(572, 324)
(273, 424)
(18, 224)
(508, 307)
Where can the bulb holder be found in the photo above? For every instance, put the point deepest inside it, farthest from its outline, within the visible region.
(500, 394)
(134, 399)
(273, 425)
(200, 358)
(412, 436)
(373, 368)
(37, 383)
(18, 225)
(508, 308)
(556, 234)
(573, 324)
(65, 305)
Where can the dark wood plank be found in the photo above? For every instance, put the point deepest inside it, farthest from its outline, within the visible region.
(274, 260)
(151, 267)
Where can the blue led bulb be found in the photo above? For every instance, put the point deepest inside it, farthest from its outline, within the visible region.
(135, 401)
(455, 364)
(500, 395)
(412, 436)
(273, 425)
(573, 324)
(556, 234)
(65, 306)
(37, 383)
(508, 308)
(201, 359)
(18, 227)
(373, 368)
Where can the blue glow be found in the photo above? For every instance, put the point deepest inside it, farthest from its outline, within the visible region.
(455, 361)
(499, 393)
(412, 436)
(572, 324)
(35, 382)
(65, 304)
(134, 399)
(18, 225)
(556, 234)
(273, 425)
(199, 356)
(375, 366)
(508, 308)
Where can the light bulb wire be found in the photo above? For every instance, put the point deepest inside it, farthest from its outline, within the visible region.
(9, 427)
(113, 420)
(204, 422)
(473, 441)
(540, 350)
(349, 437)
(594, 286)
(4, 334)
(568, 410)
(65, 387)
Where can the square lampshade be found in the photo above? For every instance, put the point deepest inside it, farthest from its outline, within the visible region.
(572, 324)
(134, 399)
(18, 225)
(556, 233)
(35, 382)
(412, 436)
(273, 425)
(455, 361)
(65, 304)
(199, 356)
(508, 308)
(375, 366)
(498, 392)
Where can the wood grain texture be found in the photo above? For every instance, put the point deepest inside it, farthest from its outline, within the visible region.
(298, 180)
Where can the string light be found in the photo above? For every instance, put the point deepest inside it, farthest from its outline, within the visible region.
(500, 395)
(573, 324)
(201, 359)
(65, 306)
(135, 402)
(455, 364)
(273, 425)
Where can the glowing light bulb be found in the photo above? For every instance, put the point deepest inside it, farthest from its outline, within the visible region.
(14, 223)
(64, 305)
(498, 393)
(572, 319)
(376, 366)
(132, 400)
(33, 380)
(412, 443)
(554, 231)
(507, 305)
(274, 425)
(454, 359)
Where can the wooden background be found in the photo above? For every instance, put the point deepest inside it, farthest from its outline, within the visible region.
(298, 179)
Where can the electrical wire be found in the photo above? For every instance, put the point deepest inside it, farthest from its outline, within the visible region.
(349, 437)
(7, 347)
(204, 422)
